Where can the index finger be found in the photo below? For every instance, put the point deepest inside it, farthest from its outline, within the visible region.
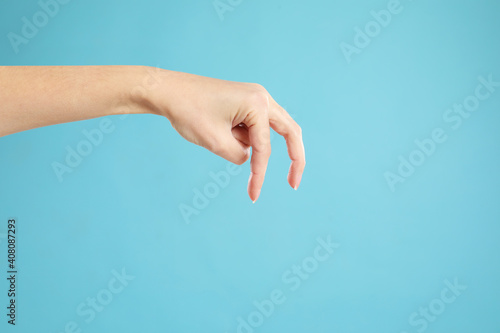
(259, 136)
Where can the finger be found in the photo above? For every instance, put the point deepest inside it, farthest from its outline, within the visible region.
(284, 125)
(258, 130)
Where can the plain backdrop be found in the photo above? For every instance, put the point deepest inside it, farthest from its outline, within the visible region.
(120, 207)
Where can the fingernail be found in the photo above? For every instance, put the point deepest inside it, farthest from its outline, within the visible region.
(256, 196)
(296, 187)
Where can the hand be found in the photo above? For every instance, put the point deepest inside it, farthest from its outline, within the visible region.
(228, 118)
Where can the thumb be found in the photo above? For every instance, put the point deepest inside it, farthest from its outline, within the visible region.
(234, 149)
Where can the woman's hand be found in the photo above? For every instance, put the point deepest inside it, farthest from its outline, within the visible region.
(228, 118)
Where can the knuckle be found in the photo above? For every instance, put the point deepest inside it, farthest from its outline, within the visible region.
(265, 149)
(298, 130)
(303, 164)
(259, 99)
(295, 130)
(258, 87)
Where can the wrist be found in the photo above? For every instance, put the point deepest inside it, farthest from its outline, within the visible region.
(137, 96)
(156, 92)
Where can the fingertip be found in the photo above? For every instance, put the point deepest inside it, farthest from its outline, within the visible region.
(292, 183)
(294, 178)
(253, 192)
(253, 196)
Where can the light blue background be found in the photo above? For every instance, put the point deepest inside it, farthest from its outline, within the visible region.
(120, 207)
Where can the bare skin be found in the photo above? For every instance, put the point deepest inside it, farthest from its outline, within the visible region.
(224, 117)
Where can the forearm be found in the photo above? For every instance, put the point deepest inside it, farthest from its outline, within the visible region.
(33, 97)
